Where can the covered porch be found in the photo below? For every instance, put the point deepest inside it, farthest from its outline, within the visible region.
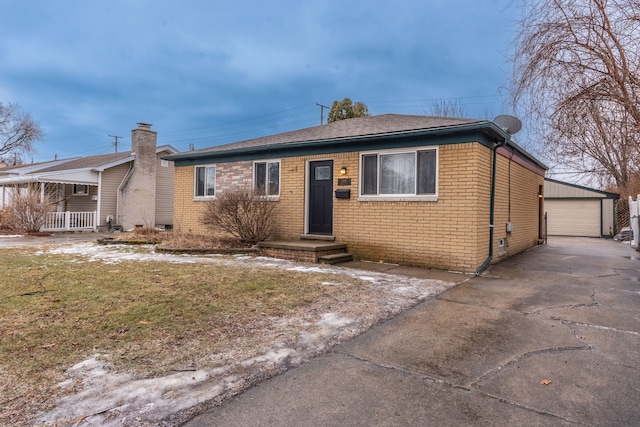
(71, 197)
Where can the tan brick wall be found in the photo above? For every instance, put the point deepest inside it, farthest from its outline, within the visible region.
(450, 233)
(523, 186)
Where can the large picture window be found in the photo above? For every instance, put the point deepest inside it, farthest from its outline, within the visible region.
(205, 181)
(400, 173)
(266, 177)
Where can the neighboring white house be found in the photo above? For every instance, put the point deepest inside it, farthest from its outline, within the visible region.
(574, 210)
(128, 189)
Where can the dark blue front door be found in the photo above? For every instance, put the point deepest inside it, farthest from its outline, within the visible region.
(321, 197)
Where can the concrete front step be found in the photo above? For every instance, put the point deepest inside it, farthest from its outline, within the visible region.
(301, 250)
(335, 258)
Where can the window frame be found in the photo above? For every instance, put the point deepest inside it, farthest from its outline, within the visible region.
(398, 197)
(75, 191)
(195, 182)
(266, 162)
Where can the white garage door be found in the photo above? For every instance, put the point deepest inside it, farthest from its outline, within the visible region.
(573, 217)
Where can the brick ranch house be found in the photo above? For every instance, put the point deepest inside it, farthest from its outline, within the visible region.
(412, 190)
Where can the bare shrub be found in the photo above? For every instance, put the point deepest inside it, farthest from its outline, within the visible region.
(145, 231)
(199, 241)
(241, 212)
(28, 210)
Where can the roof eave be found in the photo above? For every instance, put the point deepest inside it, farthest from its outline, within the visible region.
(332, 141)
(490, 129)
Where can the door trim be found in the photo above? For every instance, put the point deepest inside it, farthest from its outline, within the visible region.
(307, 183)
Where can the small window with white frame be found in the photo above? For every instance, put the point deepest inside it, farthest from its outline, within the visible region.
(205, 181)
(399, 174)
(266, 177)
(80, 190)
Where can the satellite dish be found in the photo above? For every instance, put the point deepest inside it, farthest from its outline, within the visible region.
(509, 124)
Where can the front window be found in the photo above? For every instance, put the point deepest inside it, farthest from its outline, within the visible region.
(80, 190)
(266, 178)
(205, 181)
(400, 173)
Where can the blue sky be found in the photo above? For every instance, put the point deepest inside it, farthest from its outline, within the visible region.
(207, 73)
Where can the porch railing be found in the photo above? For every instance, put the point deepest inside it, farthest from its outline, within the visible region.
(66, 221)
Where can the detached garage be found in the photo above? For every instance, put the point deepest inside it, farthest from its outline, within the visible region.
(573, 210)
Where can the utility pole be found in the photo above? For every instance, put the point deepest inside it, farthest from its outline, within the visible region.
(322, 107)
(115, 143)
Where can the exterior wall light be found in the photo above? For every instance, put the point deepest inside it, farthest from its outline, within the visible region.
(343, 170)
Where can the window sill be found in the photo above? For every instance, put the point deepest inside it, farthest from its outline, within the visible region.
(433, 198)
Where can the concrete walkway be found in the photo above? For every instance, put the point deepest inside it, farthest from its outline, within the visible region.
(549, 337)
(18, 240)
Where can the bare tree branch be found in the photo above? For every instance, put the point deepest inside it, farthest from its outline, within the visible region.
(18, 131)
(577, 77)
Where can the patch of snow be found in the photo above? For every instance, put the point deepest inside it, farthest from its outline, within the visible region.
(334, 321)
(110, 398)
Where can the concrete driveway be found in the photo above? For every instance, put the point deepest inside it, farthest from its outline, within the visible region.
(549, 337)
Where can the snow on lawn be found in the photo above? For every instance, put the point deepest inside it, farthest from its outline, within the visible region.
(112, 398)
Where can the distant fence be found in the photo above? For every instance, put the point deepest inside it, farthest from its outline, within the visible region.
(67, 221)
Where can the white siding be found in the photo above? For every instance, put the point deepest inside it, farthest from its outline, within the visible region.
(111, 180)
(164, 192)
(555, 190)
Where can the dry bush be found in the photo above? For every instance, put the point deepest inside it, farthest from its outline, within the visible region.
(6, 219)
(27, 210)
(145, 231)
(243, 213)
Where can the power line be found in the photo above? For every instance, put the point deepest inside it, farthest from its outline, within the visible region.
(322, 107)
(115, 143)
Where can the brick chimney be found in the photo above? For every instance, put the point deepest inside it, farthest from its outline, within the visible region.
(138, 195)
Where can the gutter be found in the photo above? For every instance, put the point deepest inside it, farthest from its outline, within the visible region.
(123, 183)
(486, 127)
(486, 262)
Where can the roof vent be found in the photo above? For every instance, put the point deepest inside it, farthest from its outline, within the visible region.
(144, 126)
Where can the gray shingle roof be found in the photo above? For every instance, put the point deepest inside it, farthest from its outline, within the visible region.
(89, 162)
(344, 129)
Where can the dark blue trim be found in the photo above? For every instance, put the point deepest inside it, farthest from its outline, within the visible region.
(486, 133)
(308, 149)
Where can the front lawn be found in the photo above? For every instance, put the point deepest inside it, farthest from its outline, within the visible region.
(150, 317)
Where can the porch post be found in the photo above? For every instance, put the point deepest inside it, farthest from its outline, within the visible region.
(67, 220)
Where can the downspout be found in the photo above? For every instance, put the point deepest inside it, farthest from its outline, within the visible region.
(99, 204)
(492, 203)
(123, 183)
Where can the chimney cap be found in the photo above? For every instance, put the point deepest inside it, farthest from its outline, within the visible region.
(143, 125)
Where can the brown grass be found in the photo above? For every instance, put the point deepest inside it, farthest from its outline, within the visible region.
(150, 317)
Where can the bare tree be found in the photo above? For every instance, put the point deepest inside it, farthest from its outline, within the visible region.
(18, 131)
(448, 108)
(576, 75)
